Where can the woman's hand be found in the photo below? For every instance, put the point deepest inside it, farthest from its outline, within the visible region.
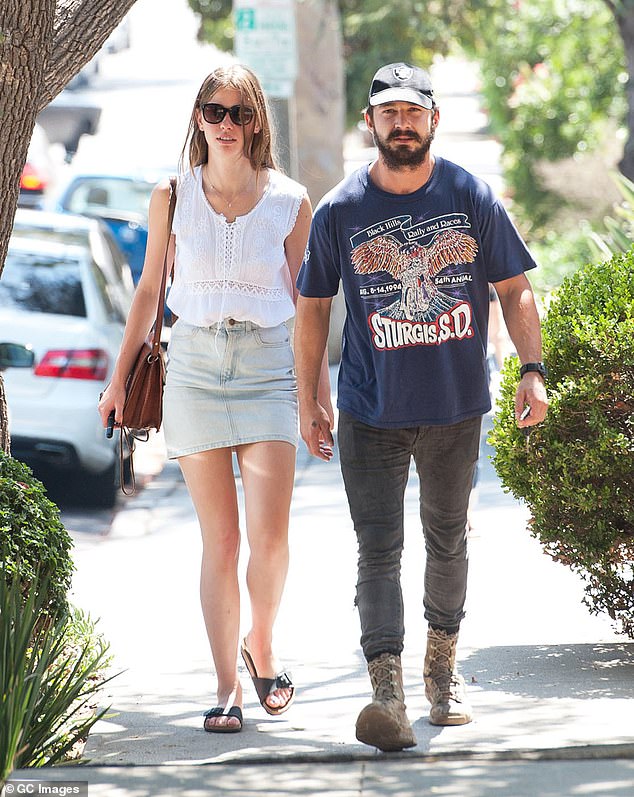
(112, 398)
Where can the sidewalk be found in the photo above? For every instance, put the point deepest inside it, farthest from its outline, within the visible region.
(551, 685)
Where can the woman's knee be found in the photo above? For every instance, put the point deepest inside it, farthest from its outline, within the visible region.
(222, 545)
(269, 545)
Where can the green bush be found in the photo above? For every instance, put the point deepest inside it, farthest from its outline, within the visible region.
(32, 534)
(49, 673)
(577, 472)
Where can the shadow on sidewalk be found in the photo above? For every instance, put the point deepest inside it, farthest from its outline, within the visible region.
(537, 698)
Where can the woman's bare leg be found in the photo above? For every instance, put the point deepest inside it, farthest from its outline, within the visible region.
(268, 472)
(211, 484)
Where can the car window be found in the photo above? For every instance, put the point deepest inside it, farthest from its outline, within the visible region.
(118, 260)
(59, 235)
(113, 311)
(42, 284)
(100, 194)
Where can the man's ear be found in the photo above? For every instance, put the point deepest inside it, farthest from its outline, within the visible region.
(368, 121)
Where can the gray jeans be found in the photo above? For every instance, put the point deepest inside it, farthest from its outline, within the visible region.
(375, 465)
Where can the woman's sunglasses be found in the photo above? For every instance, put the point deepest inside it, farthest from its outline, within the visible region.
(214, 113)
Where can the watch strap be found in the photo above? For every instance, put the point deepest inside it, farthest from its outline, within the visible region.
(539, 368)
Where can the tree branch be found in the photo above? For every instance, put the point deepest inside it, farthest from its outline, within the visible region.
(80, 29)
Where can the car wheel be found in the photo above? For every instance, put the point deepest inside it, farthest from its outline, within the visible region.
(100, 489)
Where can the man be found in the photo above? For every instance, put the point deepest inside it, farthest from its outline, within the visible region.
(414, 240)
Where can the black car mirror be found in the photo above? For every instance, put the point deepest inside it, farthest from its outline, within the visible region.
(15, 355)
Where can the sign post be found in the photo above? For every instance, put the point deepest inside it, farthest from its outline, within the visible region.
(265, 41)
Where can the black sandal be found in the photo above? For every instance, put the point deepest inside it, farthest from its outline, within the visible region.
(220, 711)
(264, 686)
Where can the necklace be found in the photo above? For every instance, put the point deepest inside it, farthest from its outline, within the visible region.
(246, 189)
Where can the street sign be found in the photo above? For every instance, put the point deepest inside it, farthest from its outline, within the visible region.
(265, 41)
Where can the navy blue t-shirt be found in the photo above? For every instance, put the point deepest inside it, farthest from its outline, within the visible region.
(415, 270)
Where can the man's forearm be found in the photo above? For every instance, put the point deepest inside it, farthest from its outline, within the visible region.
(311, 337)
(522, 320)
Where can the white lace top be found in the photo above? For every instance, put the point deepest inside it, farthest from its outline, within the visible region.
(238, 269)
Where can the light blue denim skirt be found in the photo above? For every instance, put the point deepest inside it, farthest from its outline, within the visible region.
(228, 384)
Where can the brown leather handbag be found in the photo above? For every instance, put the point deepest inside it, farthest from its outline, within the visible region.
(143, 407)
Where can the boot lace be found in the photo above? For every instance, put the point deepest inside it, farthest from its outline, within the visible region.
(444, 656)
(448, 687)
(384, 679)
(443, 677)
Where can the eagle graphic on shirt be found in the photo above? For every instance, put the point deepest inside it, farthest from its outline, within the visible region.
(415, 266)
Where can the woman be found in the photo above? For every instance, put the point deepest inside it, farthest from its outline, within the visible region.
(240, 232)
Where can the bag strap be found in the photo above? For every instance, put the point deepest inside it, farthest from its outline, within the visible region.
(160, 307)
(130, 443)
(130, 439)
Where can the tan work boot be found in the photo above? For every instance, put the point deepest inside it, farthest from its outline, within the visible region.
(383, 723)
(444, 688)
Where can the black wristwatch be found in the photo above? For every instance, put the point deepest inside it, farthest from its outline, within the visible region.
(539, 368)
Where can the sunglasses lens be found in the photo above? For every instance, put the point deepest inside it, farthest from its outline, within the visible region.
(241, 115)
(213, 113)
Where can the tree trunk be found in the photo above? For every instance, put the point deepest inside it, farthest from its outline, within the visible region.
(26, 37)
(624, 13)
(5, 439)
(43, 44)
(320, 98)
(80, 29)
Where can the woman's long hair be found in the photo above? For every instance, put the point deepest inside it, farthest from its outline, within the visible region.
(258, 147)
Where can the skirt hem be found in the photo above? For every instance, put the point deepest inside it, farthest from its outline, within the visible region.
(232, 444)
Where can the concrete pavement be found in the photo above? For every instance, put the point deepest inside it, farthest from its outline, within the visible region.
(551, 685)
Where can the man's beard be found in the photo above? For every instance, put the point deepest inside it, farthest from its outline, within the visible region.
(401, 156)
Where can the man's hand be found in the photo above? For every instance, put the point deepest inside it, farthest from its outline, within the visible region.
(315, 428)
(531, 400)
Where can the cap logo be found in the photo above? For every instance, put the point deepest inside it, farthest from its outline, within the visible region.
(403, 72)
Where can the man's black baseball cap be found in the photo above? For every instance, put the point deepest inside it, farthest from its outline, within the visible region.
(401, 83)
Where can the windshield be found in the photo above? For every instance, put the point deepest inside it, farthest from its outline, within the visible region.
(98, 195)
(62, 235)
(43, 284)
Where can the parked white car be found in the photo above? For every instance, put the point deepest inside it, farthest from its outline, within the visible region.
(56, 300)
(93, 235)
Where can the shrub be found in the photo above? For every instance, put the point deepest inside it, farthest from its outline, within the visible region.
(576, 474)
(32, 534)
(49, 673)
